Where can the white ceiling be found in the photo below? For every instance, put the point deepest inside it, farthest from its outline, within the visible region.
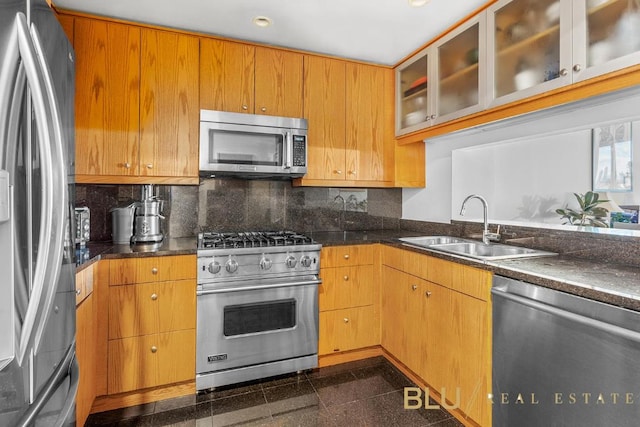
(379, 31)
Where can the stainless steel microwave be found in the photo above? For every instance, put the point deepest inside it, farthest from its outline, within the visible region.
(252, 146)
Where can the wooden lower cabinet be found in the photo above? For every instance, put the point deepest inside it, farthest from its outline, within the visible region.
(86, 356)
(151, 360)
(348, 329)
(345, 287)
(439, 326)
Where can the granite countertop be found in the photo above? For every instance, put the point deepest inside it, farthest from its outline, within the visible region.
(95, 251)
(607, 282)
(616, 284)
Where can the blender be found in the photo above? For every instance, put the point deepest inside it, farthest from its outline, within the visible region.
(147, 223)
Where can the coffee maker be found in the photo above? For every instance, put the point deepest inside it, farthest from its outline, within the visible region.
(147, 222)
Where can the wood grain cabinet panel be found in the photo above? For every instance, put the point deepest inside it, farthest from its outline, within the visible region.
(278, 82)
(343, 256)
(149, 308)
(169, 104)
(107, 98)
(226, 76)
(86, 354)
(348, 329)
(152, 269)
(151, 360)
(367, 148)
(345, 287)
(324, 107)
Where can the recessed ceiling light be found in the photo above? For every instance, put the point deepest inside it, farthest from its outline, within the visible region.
(418, 3)
(262, 21)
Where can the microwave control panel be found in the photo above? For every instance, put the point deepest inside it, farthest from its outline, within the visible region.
(299, 150)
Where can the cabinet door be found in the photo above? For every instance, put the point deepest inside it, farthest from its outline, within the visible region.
(349, 329)
(324, 107)
(226, 76)
(278, 82)
(345, 287)
(170, 113)
(530, 47)
(606, 36)
(67, 24)
(437, 347)
(414, 109)
(366, 147)
(392, 303)
(86, 355)
(461, 71)
(107, 98)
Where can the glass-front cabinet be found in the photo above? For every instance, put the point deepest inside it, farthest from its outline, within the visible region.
(529, 47)
(413, 98)
(460, 71)
(606, 36)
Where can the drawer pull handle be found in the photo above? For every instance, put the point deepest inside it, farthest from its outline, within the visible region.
(78, 291)
(127, 165)
(154, 270)
(427, 294)
(346, 278)
(154, 297)
(346, 320)
(346, 256)
(149, 165)
(154, 349)
(414, 287)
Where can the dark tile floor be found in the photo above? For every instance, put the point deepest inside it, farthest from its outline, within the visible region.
(363, 393)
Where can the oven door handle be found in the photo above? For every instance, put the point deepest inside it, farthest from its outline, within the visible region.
(257, 288)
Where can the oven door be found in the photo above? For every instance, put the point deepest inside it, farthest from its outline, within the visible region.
(253, 322)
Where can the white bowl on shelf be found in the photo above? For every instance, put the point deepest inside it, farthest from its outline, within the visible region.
(526, 78)
(600, 52)
(595, 3)
(415, 117)
(553, 13)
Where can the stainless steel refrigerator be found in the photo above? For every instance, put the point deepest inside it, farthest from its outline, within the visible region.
(38, 371)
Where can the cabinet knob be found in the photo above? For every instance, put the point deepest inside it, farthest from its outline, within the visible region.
(338, 171)
(154, 270)
(78, 291)
(427, 294)
(414, 287)
(154, 349)
(346, 278)
(127, 165)
(564, 72)
(345, 320)
(263, 109)
(154, 297)
(149, 165)
(432, 117)
(577, 68)
(346, 256)
(352, 172)
(244, 107)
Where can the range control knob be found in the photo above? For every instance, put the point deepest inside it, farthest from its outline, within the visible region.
(305, 261)
(231, 266)
(214, 267)
(265, 263)
(291, 261)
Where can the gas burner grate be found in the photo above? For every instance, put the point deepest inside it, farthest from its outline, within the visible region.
(251, 239)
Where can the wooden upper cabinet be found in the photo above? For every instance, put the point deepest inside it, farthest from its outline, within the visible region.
(366, 121)
(169, 107)
(226, 76)
(107, 97)
(250, 79)
(278, 82)
(324, 107)
(67, 24)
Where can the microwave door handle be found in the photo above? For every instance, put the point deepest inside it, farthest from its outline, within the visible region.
(288, 152)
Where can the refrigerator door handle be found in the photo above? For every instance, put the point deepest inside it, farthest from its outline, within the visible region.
(44, 132)
(68, 409)
(59, 206)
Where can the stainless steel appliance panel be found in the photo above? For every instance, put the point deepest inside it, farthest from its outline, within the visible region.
(572, 361)
(290, 331)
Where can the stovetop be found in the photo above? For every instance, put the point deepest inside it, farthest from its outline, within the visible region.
(252, 239)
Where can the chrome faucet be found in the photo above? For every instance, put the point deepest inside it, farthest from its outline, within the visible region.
(486, 235)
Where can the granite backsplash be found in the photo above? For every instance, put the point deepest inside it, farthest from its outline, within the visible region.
(240, 205)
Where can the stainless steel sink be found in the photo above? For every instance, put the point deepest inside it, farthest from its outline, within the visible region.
(473, 249)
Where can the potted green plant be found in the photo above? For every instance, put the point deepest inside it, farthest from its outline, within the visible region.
(589, 213)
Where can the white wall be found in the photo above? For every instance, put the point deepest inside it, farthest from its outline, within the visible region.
(524, 133)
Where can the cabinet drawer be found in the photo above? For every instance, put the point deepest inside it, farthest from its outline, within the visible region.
(345, 287)
(151, 360)
(349, 329)
(410, 262)
(152, 269)
(342, 256)
(150, 308)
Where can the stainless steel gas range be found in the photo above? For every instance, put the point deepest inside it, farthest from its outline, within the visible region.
(257, 306)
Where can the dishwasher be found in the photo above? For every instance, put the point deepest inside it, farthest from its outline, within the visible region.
(562, 360)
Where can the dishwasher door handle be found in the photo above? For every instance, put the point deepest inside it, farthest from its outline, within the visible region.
(556, 311)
